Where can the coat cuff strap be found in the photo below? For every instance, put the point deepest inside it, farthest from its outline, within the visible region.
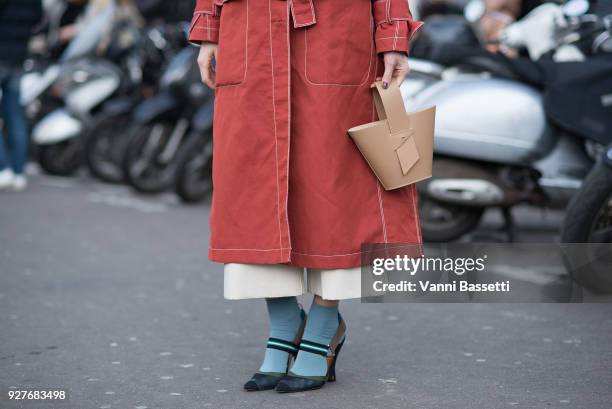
(396, 35)
(394, 25)
(204, 28)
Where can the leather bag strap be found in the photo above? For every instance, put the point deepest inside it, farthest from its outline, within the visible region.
(390, 106)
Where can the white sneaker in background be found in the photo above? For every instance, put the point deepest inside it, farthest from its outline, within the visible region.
(6, 178)
(20, 182)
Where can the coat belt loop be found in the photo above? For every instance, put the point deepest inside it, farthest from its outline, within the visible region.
(303, 13)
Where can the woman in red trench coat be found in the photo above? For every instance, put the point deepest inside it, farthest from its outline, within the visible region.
(291, 190)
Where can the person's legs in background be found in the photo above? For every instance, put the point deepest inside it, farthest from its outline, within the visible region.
(12, 167)
(6, 173)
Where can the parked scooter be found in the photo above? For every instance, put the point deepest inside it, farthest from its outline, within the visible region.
(495, 146)
(84, 82)
(106, 138)
(588, 219)
(87, 84)
(161, 125)
(193, 181)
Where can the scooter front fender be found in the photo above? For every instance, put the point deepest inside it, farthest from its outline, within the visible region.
(56, 127)
(118, 106)
(155, 107)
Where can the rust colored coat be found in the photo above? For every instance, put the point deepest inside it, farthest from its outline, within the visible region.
(292, 76)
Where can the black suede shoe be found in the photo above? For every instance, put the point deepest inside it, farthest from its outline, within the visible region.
(298, 383)
(262, 381)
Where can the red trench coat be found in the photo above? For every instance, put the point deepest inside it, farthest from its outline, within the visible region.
(292, 76)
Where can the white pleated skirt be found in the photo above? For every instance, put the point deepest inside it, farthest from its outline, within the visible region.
(280, 280)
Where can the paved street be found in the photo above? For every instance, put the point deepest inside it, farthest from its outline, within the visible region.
(110, 295)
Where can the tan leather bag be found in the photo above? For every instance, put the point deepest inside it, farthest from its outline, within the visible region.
(399, 146)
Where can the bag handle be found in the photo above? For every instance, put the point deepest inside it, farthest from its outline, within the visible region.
(390, 106)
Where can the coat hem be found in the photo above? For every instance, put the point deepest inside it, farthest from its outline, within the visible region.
(285, 256)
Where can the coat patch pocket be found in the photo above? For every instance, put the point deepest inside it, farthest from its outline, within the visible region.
(231, 63)
(340, 45)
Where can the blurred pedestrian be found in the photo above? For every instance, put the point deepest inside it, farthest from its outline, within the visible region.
(498, 15)
(291, 190)
(17, 21)
(105, 23)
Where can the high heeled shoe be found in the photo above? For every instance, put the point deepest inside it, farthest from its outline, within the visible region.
(261, 381)
(299, 383)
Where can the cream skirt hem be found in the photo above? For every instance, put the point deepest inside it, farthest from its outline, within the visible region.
(280, 280)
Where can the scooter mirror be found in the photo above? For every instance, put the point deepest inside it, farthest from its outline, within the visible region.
(474, 10)
(576, 8)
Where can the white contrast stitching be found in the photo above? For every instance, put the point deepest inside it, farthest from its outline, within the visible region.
(395, 39)
(288, 127)
(312, 20)
(280, 233)
(246, 53)
(388, 11)
(380, 203)
(416, 213)
(327, 255)
(382, 211)
(196, 17)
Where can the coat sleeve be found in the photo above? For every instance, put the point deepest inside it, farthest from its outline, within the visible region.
(205, 22)
(394, 25)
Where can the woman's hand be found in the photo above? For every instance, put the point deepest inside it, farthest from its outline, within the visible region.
(208, 51)
(396, 66)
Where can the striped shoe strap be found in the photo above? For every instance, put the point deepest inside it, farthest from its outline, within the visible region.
(282, 345)
(315, 347)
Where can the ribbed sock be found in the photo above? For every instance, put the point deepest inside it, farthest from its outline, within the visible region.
(285, 319)
(321, 327)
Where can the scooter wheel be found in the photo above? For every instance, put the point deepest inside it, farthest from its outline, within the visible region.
(588, 219)
(194, 172)
(104, 148)
(62, 158)
(140, 165)
(444, 222)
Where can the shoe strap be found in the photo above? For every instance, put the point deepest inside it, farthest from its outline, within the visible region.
(326, 349)
(282, 345)
(314, 347)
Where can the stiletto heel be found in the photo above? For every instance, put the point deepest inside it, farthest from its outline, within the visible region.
(331, 377)
(299, 383)
(262, 381)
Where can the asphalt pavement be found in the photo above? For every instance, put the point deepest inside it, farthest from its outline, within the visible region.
(110, 295)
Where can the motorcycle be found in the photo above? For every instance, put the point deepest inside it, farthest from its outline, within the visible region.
(495, 145)
(161, 125)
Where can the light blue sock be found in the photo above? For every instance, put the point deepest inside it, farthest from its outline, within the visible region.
(321, 327)
(285, 319)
